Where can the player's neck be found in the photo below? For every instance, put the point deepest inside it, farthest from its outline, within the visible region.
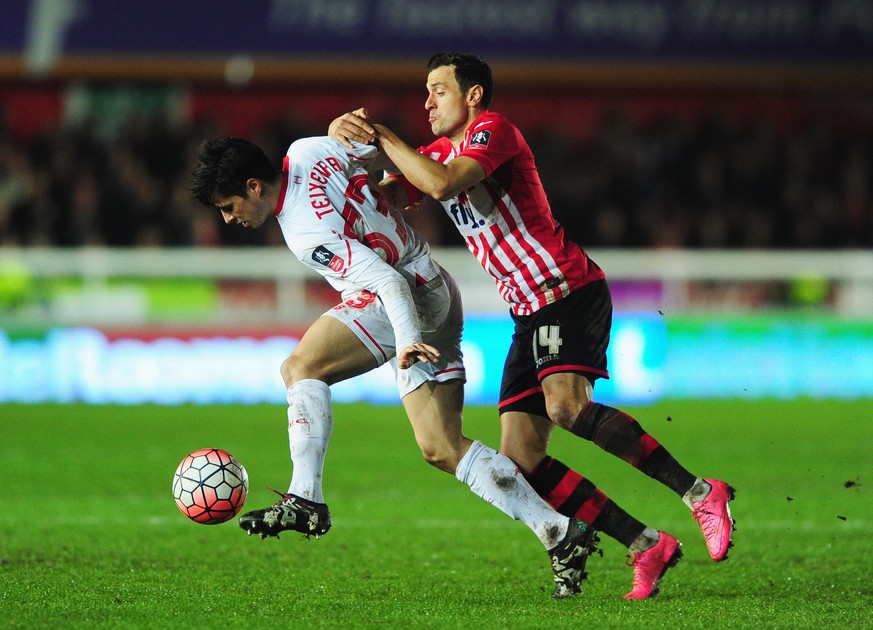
(272, 191)
(457, 138)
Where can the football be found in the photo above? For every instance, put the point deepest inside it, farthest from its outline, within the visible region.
(210, 486)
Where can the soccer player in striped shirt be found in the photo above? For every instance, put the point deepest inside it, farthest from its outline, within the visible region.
(482, 172)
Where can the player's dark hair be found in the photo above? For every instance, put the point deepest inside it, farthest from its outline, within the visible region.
(470, 70)
(224, 165)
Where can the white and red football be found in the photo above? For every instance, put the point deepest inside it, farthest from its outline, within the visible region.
(210, 486)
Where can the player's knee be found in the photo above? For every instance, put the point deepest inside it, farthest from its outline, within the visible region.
(563, 411)
(439, 457)
(295, 368)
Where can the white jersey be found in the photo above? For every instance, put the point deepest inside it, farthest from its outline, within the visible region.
(334, 224)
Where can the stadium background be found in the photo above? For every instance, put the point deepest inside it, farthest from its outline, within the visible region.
(716, 158)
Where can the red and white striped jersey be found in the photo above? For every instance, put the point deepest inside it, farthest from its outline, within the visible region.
(506, 220)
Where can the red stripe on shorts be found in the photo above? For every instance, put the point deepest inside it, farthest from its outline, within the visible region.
(370, 337)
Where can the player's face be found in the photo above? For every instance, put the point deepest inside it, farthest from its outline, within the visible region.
(250, 211)
(446, 105)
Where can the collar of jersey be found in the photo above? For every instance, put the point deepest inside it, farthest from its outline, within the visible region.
(286, 166)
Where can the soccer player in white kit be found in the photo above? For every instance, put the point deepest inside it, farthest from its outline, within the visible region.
(398, 306)
(482, 172)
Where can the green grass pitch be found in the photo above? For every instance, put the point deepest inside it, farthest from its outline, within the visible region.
(90, 536)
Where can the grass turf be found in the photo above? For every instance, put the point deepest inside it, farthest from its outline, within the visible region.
(90, 536)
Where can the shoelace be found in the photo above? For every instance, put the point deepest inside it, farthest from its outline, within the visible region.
(640, 580)
(284, 495)
(710, 525)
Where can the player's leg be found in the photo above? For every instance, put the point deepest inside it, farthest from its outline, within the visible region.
(568, 360)
(433, 396)
(525, 432)
(569, 404)
(329, 352)
(526, 436)
(622, 435)
(435, 413)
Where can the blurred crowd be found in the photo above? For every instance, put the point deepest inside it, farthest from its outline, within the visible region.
(708, 183)
(711, 184)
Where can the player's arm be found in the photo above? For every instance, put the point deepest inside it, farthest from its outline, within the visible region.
(391, 189)
(440, 181)
(383, 280)
(399, 193)
(352, 126)
(377, 276)
(362, 268)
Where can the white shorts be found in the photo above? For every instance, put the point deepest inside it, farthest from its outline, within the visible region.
(441, 316)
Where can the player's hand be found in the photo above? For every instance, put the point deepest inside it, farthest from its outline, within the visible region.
(394, 193)
(352, 126)
(417, 352)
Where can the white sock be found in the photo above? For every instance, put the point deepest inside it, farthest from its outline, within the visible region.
(699, 491)
(496, 478)
(310, 425)
(645, 541)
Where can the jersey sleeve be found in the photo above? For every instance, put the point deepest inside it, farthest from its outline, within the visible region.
(349, 264)
(491, 142)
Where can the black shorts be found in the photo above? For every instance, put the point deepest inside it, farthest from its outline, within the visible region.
(570, 335)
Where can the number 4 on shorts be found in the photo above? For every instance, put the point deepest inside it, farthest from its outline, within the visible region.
(550, 337)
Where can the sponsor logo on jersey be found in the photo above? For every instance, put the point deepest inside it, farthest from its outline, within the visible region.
(323, 256)
(480, 139)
